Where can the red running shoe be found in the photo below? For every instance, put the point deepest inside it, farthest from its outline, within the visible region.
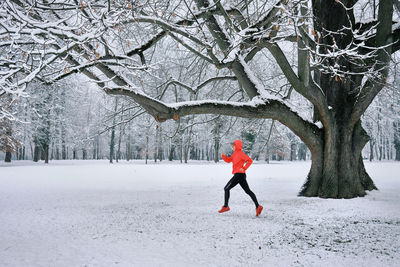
(223, 209)
(259, 210)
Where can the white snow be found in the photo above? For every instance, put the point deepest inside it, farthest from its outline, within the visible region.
(92, 213)
(319, 124)
(256, 101)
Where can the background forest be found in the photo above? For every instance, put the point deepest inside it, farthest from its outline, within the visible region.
(73, 119)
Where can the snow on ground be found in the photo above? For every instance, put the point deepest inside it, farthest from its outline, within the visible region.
(91, 213)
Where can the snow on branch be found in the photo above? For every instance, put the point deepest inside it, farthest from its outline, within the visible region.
(194, 90)
(258, 107)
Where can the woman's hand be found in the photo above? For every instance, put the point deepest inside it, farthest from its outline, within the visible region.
(222, 155)
(241, 170)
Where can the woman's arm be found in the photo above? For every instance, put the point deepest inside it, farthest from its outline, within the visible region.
(226, 159)
(248, 160)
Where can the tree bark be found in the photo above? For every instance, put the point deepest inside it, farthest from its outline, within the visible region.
(337, 168)
(37, 150)
(216, 134)
(293, 147)
(119, 144)
(128, 147)
(112, 140)
(63, 142)
(8, 157)
(147, 148)
(396, 141)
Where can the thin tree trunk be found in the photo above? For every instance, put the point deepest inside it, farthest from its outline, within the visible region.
(147, 148)
(112, 140)
(46, 153)
(160, 150)
(120, 136)
(371, 150)
(293, 151)
(128, 146)
(63, 142)
(8, 156)
(119, 144)
(267, 142)
(37, 150)
(216, 133)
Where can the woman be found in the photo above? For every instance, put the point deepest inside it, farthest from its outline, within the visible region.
(239, 158)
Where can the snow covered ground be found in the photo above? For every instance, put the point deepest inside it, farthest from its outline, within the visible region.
(91, 213)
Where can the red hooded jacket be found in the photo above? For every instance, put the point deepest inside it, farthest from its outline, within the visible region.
(238, 158)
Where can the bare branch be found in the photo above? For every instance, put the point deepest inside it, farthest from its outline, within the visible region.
(194, 90)
(274, 109)
(312, 92)
(383, 38)
(268, 19)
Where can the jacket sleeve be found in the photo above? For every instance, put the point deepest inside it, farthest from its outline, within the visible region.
(227, 159)
(248, 160)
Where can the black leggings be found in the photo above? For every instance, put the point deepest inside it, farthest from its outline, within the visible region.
(239, 178)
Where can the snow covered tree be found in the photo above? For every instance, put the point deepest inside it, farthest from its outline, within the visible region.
(342, 60)
(8, 142)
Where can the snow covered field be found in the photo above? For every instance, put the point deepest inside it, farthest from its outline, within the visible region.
(91, 213)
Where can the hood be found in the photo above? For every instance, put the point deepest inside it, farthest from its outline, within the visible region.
(238, 144)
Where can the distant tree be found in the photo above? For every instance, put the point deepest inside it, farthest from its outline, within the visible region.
(249, 138)
(8, 142)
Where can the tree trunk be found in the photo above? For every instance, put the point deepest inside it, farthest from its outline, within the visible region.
(37, 151)
(156, 142)
(371, 150)
(216, 150)
(128, 147)
(337, 168)
(380, 147)
(171, 155)
(97, 147)
(23, 153)
(216, 133)
(8, 157)
(293, 147)
(187, 145)
(302, 152)
(46, 153)
(396, 139)
(160, 150)
(63, 142)
(388, 145)
(112, 140)
(57, 153)
(147, 148)
(397, 154)
(119, 145)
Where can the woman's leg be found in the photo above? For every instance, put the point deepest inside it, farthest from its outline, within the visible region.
(231, 184)
(245, 186)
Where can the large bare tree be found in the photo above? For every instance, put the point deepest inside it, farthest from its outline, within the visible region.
(344, 49)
